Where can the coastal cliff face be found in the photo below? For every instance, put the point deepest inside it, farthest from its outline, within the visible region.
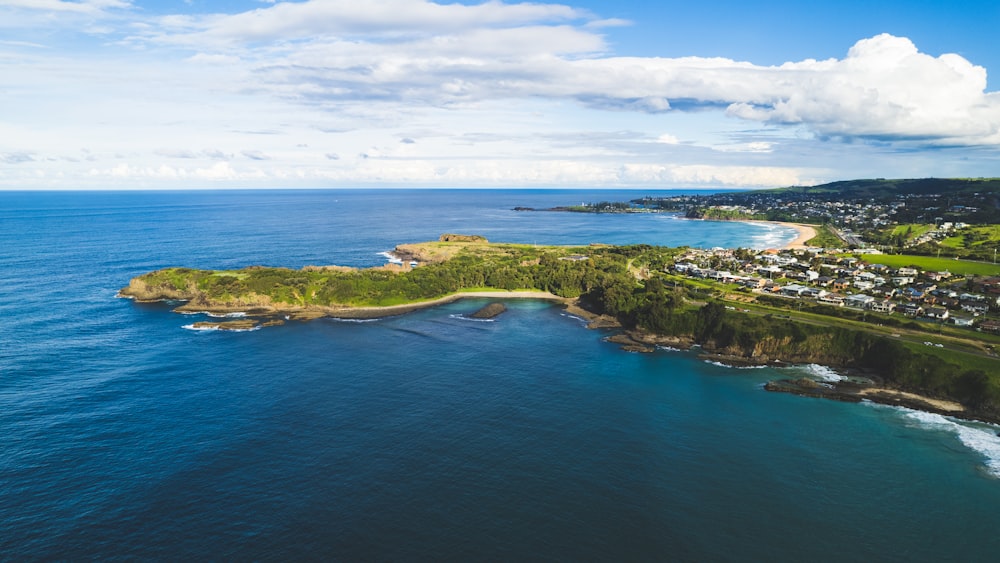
(606, 282)
(140, 289)
(143, 290)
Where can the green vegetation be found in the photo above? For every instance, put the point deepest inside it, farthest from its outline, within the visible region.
(934, 264)
(721, 214)
(627, 283)
(564, 271)
(882, 188)
(825, 238)
(979, 237)
(909, 231)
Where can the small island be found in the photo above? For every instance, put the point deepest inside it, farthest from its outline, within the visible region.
(636, 290)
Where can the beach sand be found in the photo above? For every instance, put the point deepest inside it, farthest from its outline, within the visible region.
(805, 233)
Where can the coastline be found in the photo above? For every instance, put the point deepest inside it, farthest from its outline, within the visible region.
(349, 312)
(804, 233)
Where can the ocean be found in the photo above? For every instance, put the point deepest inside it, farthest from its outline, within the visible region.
(429, 436)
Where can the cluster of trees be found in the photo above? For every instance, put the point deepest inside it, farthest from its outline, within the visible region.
(601, 270)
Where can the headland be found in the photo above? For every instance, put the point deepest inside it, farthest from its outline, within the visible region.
(636, 289)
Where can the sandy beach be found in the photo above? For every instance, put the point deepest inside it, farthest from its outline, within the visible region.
(805, 232)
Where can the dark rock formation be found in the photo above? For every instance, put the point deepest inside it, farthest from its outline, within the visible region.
(490, 311)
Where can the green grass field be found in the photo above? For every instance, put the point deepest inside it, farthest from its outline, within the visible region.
(934, 264)
(916, 229)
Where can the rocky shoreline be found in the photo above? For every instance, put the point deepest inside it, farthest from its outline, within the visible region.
(855, 387)
(849, 390)
(274, 314)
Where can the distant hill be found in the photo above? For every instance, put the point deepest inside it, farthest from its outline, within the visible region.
(882, 188)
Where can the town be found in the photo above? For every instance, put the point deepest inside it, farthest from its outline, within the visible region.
(936, 217)
(836, 279)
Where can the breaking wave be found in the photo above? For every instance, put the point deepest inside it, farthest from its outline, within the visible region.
(978, 437)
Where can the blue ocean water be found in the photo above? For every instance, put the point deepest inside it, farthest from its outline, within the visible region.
(426, 436)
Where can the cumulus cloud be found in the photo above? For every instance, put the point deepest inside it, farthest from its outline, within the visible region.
(884, 88)
(496, 93)
(423, 52)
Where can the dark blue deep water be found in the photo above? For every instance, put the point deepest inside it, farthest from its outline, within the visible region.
(427, 436)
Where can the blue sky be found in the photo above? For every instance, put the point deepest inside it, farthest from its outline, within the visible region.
(328, 93)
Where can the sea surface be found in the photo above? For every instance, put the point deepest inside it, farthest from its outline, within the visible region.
(425, 437)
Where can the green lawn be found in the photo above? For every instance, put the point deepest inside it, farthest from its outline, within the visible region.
(934, 264)
(916, 229)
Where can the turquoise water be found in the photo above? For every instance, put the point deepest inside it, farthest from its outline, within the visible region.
(427, 436)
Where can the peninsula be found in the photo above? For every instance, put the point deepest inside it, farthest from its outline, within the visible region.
(637, 289)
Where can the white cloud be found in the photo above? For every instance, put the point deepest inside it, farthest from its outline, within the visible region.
(495, 93)
(81, 6)
(884, 88)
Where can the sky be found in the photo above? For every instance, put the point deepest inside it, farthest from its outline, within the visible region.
(184, 94)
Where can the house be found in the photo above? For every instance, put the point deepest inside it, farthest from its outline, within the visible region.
(939, 313)
(910, 309)
(824, 281)
(990, 326)
(889, 293)
(975, 307)
(793, 290)
(909, 272)
(962, 321)
(840, 284)
(858, 301)
(831, 299)
(885, 306)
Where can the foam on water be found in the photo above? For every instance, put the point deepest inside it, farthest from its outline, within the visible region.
(722, 365)
(821, 373)
(468, 318)
(979, 437)
(219, 329)
(773, 236)
(574, 317)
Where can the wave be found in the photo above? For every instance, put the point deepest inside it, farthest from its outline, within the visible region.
(215, 328)
(234, 315)
(470, 319)
(722, 365)
(344, 320)
(822, 373)
(978, 437)
(774, 236)
(392, 258)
